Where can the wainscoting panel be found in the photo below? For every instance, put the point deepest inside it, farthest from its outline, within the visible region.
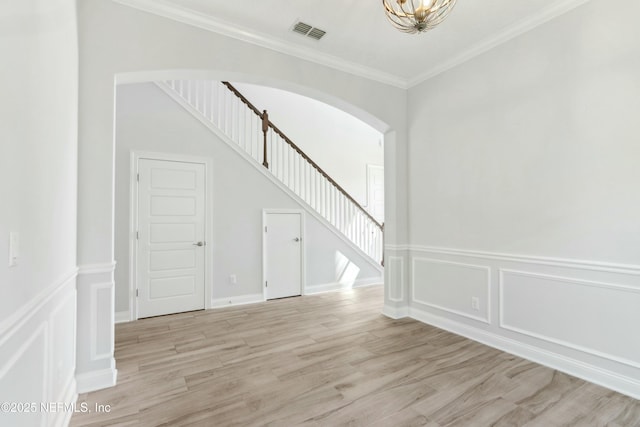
(102, 320)
(588, 316)
(24, 373)
(63, 346)
(576, 316)
(455, 287)
(95, 332)
(37, 356)
(395, 275)
(396, 278)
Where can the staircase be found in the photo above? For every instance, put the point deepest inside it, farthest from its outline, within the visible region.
(221, 105)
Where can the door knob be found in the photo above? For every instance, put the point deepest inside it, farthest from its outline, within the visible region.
(297, 239)
(199, 244)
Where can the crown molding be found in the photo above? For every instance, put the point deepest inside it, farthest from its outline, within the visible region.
(209, 23)
(504, 36)
(206, 22)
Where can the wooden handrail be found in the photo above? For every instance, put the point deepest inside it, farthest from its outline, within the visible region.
(242, 98)
(264, 116)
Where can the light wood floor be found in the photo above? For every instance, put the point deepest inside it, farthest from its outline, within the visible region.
(332, 360)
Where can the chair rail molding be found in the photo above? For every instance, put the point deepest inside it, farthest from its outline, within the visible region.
(37, 349)
(530, 259)
(577, 316)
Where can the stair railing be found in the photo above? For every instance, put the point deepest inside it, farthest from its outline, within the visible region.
(284, 159)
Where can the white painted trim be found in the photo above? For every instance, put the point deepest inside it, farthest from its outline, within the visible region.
(261, 169)
(96, 380)
(447, 309)
(395, 312)
(133, 241)
(24, 313)
(338, 287)
(627, 385)
(587, 350)
(93, 324)
(237, 300)
(40, 332)
(122, 317)
(368, 281)
(103, 268)
(325, 287)
(209, 23)
(396, 248)
(134, 157)
(510, 32)
(303, 247)
(602, 285)
(60, 292)
(529, 259)
(389, 261)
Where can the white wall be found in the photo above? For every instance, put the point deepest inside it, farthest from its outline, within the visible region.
(148, 120)
(38, 176)
(120, 42)
(524, 193)
(341, 144)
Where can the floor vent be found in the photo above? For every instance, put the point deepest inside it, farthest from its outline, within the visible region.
(308, 30)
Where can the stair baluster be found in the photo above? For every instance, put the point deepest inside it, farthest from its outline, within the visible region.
(222, 105)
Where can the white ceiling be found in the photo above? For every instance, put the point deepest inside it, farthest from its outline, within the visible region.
(359, 39)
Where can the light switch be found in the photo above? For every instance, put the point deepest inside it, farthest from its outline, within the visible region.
(14, 248)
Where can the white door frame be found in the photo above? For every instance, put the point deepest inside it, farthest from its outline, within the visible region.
(135, 157)
(303, 255)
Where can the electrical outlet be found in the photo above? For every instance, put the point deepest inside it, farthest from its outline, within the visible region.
(14, 248)
(475, 303)
(233, 279)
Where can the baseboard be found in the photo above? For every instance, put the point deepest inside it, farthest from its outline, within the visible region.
(368, 281)
(327, 287)
(122, 317)
(237, 300)
(336, 286)
(395, 312)
(96, 380)
(611, 380)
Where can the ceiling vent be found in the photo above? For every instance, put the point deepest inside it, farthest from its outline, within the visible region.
(308, 30)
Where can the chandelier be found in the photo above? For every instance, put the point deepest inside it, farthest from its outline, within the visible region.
(417, 16)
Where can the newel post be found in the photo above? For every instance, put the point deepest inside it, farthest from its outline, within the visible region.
(265, 129)
(382, 229)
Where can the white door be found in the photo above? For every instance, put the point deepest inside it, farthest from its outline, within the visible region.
(375, 191)
(171, 246)
(283, 254)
